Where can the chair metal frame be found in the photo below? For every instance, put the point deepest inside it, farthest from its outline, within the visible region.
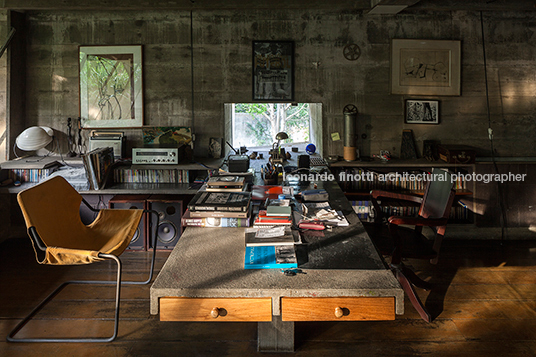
(42, 247)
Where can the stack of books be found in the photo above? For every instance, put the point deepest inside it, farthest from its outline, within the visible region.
(277, 213)
(222, 222)
(265, 219)
(206, 204)
(270, 244)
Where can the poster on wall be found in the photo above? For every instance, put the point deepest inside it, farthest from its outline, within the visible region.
(273, 71)
(111, 88)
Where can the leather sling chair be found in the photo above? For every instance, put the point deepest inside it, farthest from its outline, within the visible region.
(399, 242)
(51, 211)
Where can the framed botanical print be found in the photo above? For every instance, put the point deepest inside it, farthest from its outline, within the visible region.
(111, 86)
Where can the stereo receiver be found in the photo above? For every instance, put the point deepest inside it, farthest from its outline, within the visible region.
(155, 156)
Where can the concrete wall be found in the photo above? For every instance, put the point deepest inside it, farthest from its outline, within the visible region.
(4, 31)
(222, 70)
(222, 73)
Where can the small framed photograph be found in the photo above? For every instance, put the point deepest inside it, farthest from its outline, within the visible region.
(422, 111)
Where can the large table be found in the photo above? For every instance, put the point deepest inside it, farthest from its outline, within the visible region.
(344, 279)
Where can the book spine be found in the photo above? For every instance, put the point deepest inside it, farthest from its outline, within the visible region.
(194, 207)
(224, 222)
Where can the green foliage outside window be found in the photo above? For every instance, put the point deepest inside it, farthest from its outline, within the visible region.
(267, 119)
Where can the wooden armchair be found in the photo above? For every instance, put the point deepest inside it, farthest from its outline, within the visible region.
(405, 242)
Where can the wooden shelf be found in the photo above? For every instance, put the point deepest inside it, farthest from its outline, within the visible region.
(418, 192)
(356, 192)
(416, 163)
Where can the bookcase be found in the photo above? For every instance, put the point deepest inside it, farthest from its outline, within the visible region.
(358, 178)
(159, 178)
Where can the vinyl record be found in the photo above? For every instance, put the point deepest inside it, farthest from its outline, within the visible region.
(227, 178)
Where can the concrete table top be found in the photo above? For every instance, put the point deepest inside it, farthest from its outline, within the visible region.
(209, 262)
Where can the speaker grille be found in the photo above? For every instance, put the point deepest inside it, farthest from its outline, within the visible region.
(169, 227)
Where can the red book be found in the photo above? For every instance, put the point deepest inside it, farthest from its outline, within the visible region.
(263, 219)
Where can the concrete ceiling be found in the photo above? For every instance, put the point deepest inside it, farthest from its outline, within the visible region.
(355, 5)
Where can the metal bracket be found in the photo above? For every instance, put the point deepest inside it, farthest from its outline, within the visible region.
(9, 38)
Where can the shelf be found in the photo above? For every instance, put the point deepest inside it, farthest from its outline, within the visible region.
(145, 188)
(355, 189)
(416, 163)
(417, 192)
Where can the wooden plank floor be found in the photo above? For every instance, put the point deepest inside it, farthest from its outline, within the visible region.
(483, 301)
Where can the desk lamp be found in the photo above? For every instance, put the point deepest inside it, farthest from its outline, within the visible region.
(281, 136)
(34, 138)
(277, 154)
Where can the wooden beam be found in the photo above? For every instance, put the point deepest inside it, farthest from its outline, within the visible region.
(389, 7)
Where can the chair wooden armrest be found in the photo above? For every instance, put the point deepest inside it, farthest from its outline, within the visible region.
(418, 221)
(396, 195)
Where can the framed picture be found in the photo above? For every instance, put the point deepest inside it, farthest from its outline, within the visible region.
(422, 111)
(111, 86)
(425, 67)
(175, 136)
(273, 71)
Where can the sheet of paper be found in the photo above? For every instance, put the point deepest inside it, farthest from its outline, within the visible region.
(272, 232)
(317, 205)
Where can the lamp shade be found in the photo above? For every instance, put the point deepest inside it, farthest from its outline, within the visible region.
(281, 135)
(34, 138)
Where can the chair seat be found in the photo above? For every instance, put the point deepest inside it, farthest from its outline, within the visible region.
(413, 245)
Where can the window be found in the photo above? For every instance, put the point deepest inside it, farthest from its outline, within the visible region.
(255, 125)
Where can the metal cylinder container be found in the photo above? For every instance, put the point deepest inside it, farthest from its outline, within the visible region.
(349, 136)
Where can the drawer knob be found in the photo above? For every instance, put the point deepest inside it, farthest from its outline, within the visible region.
(338, 312)
(215, 312)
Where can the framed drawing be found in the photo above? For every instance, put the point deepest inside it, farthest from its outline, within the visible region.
(425, 67)
(111, 86)
(273, 71)
(422, 111)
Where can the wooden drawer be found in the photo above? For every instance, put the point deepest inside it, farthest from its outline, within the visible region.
(338, 309)
(215, 309)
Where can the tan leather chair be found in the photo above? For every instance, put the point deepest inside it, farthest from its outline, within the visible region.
(51, 210)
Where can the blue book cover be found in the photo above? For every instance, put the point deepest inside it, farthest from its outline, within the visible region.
(270, 257)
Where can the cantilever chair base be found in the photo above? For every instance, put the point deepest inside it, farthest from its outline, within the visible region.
(20, 325)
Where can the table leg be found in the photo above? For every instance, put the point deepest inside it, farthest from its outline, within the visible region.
(275, 336)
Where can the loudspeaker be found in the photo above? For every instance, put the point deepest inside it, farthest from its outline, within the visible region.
(304, 161)
(139, 239)
(169, 228)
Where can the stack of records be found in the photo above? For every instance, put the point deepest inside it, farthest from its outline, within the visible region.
(226, 183)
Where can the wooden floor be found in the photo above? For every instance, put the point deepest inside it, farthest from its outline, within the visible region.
(484, 304)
